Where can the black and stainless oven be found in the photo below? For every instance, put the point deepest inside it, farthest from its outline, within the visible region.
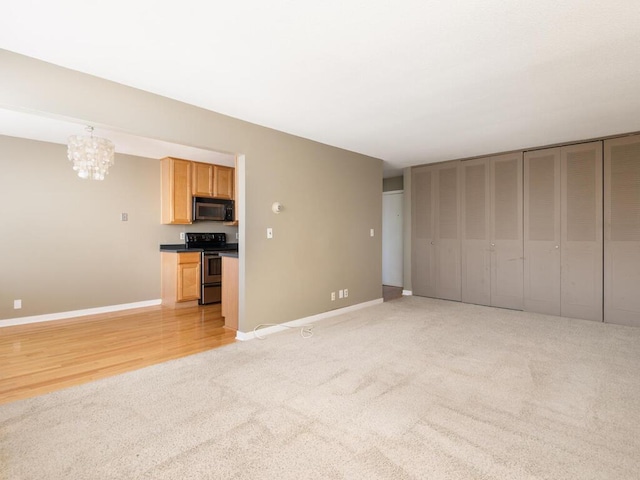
(211, 285)
(211, 277)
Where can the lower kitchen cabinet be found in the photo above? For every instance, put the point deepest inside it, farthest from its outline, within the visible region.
(180, 278)
(230, 291)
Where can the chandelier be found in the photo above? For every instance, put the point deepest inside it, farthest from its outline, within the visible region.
(91, 156)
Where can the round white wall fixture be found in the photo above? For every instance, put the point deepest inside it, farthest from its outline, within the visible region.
(276, 207)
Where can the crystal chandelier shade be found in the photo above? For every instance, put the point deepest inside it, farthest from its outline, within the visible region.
(91, 156)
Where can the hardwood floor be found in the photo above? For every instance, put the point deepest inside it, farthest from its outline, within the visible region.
(43, 357)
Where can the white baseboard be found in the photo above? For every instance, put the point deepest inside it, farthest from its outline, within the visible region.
(76, 313)
(263, 332)
(407, 293)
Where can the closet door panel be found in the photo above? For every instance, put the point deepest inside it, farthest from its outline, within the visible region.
(542, 231)
(507, 231)
(422, 243)
(582, 247)
(475, 243)
(622, 231)
(622, 300)
(447, 251)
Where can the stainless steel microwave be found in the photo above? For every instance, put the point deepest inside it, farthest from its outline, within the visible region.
(212, 209)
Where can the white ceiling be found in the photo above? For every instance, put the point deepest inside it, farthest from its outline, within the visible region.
(408, 81)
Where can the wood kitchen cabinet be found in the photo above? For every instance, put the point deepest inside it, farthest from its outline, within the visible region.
(229, 308)
(180, 278)
(184, 179)
(223, 182)
(234, 197)
(202, 179)
(212, 180)
(176, 190)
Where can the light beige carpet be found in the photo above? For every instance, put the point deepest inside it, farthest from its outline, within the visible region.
(413, 388)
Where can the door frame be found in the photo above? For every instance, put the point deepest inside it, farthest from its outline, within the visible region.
(397, 262)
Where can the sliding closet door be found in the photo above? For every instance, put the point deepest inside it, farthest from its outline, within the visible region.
(475, 246)
(622, 231)
(447, 245)
(422, 241)
(582, 231)
(506, 231)
(542, 252)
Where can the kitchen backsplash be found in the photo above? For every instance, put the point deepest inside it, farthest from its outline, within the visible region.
(171, 233)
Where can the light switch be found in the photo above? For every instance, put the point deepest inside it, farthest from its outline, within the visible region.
(269, 232)
(124, 217)
(371, 232)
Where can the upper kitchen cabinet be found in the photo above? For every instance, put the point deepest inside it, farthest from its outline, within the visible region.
(183, 179)
(212, 180)
(176, 190)
(202, 179)
(223, 182)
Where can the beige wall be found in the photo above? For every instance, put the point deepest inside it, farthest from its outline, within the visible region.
(331, 197)
(63, 246)
(392, 184)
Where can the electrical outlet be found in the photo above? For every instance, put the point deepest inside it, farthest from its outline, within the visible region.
(269, 232)
(340, 293)
(237, 235)
(333, 296)
(124, 217)
(17, 304)
(346, 292)
(181, 235)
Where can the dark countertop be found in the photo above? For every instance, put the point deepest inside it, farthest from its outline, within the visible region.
(229, 254)
(181, 248)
